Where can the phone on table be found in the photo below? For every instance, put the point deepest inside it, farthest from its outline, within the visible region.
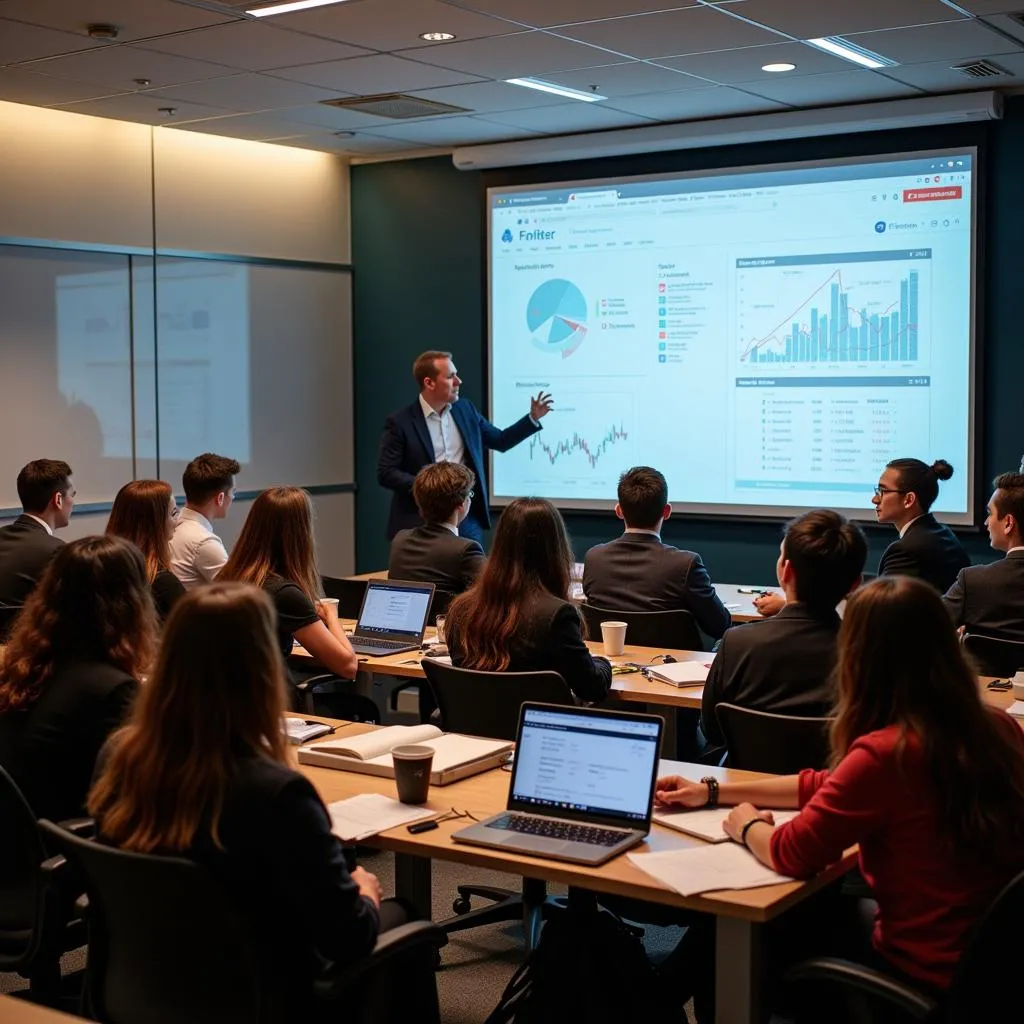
(751, 590)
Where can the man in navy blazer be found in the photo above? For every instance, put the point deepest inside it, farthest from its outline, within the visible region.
(441, 427)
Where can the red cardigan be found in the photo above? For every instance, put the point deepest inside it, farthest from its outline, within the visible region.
(927, 902)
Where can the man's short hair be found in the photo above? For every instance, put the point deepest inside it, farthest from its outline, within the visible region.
(424, 365)
(206, 476)
(440, 488)
(643, 495)
(1010, 499)
(827, 553)
(40, 480)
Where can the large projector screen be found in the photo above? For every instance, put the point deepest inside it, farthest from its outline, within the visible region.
(768, 337)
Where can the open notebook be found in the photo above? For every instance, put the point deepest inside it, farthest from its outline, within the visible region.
(455, 756)
(706, 822)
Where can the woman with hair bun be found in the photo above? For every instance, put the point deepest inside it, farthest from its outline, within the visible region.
(925, 548)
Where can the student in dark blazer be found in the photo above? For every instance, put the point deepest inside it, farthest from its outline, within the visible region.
(784, 664)
(517, 616)
(202, 771)
(989, 599)
(441, 427)
(639, 572)
(925, 548)
(47, 495)
(434, 552)
(69, 671)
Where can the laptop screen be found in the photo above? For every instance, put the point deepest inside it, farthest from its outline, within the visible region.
(393, 609)
(586, 764)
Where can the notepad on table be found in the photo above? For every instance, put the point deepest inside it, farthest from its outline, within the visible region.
(1016, 709)
(369, 813)
(681, 673)
(706, 822)
(707, 869)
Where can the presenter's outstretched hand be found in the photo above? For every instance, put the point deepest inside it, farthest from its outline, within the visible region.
(541, 405)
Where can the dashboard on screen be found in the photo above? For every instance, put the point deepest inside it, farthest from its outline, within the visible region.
(768, 337)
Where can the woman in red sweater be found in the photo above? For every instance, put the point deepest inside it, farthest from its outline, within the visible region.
(926, 779)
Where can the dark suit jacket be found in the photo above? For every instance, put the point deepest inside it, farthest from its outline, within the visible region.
(433, 554)
(25, 550)
(50, 749)
(928, 550)
(638, 572)
(551, 639)
(989, 599)
(782, 665)
(405, 448)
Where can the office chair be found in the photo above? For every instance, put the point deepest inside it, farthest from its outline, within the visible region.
(983, 988)
(675, 629)
(168, 946)
(8, 613)
(439, 604)
(487, 704)
(349, 593)
(993, 655)
(759, 741)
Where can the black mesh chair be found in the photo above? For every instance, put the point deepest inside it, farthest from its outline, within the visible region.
(487, 704)
(8, 613)
(992, 655)
(349, 592)
(674, 630)
(167, 946)
(759, 741)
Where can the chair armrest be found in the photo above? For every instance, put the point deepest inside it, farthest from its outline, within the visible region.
(84, 827)
(849, 976)
(308, 684)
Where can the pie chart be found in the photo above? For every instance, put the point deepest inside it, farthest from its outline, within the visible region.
(556, 316)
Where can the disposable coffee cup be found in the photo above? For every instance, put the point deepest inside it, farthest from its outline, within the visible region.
(330, 604)
(1018, 685)
(439, 626)
(613, 635)
(412, 772)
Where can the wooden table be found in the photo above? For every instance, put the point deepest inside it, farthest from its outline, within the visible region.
(20, 1011)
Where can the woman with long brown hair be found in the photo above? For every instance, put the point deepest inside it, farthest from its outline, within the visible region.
(145, 512)
(517, 617)
(276, 552)
(68, 674)
(926, 778)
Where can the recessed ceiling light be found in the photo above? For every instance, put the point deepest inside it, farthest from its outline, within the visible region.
(781, 66)
(437, 37)
(840, 47)
(557, 90)
(289, 6)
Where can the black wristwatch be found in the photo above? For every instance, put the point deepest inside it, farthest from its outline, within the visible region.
(712, 783)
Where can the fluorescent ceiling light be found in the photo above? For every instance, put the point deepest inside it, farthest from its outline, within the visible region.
(289, 6)
(437, 37)
(557, 90)
(781, 66)
(850, 51)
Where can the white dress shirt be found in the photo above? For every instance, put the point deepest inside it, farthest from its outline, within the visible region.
(444, 434)
(42, 522)
(906, 527)
(197, 553)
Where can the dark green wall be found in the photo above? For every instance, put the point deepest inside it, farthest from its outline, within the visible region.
(418, 252)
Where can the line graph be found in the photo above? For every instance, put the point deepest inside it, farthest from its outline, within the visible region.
(578, 443)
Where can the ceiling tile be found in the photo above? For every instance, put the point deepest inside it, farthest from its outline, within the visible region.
(693, 30)
(117, 66)
(1007, 25)
(568, 117)
(255, 127)
(545, 13)
(819, 90)
(487, 97)
(961, 40)
(744, 65)
(20, 42)
(691, 104)
(809, 19)
(320, 115)
(939, 76)
(247, 93)
(984, 7)
(134, 19)
(451, 131)
(20, 86)
(142, 107)
(361, 145)
(630, 79)
(527, 53)
(377, 74)
(394, 24)
(253, 46)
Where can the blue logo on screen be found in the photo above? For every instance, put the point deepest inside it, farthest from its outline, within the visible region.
(880, 226)
(506, 235)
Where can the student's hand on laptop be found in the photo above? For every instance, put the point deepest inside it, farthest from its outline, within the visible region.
(769, 604)
(369, 886)
(674, 790)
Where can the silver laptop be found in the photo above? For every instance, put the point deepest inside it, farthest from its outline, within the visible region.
(582, 785)
(392, 618)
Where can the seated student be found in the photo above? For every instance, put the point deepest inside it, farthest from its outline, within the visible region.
(434, 552)
(47, 496)
(639, 572)
(202, 770)
(144, 512)
(925, 778)
(275, 551)
(197, 553)
(517, 616)
(69, 671)
(925, 548)
(784, 664)
(989, 599)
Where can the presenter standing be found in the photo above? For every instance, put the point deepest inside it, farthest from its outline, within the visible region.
(441, 427)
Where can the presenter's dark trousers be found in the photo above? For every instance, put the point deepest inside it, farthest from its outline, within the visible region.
(472, 529)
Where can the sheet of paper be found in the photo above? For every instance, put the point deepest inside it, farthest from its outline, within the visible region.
(370, 813)
(1016, 709)
(451, 750)
(682, 673)
(706, 868)
(733, 606)
(706, 822)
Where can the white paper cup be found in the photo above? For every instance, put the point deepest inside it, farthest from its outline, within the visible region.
(613, 635)
(1018, 685)
(330, 606)
(439, 626)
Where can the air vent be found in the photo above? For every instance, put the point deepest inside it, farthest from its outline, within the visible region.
(395, 105)
(981, 69)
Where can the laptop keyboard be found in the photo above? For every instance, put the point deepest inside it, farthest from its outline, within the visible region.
(379, 645)
(551, 829)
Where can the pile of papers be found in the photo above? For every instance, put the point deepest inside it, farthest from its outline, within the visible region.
(369, 813)
(707, 869)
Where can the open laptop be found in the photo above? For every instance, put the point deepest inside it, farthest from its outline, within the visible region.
(392, 617)
(582, 785)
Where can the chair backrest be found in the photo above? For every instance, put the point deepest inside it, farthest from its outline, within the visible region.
(8, 613)
(994, 656)
(759, 741)
(439, 604)
(675, 629)
(166, 946)
(349, 593)
(488, 703)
